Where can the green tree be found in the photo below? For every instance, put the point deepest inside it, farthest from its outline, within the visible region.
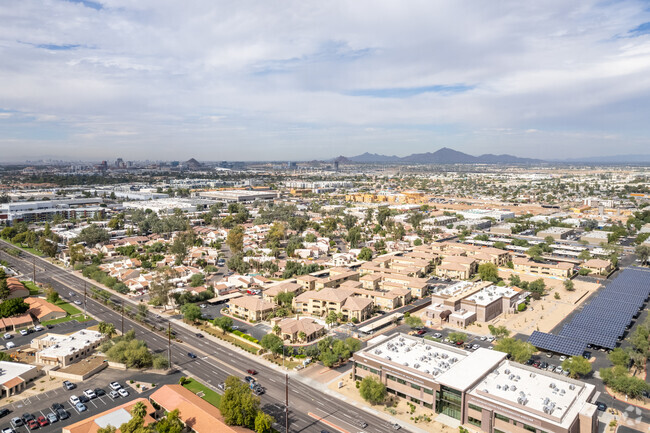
(52, 296)
(642, 252)
(568, 285)
(488, 272)
(13, 307)
(455, 337)
(171, 423)
(4, 289)
(197, 280)
(93, 235)
(372, 390)
(139, 410)
(535, 253)
(331, 318)
(519, 351)
(263, 423)
(577, 366)
(108, 429)
(499, 331)
(413, 322)
(272, 343)
(584, 255)
(191, 312)
(238, 405)
(107, 329)
(365, 254)
(235, 239)
(223, 322)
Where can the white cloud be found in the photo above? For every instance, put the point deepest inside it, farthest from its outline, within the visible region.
(212, 78)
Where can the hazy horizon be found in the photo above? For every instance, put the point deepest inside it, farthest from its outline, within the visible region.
(161, 80)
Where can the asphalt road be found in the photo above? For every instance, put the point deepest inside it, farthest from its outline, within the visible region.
(216, 362)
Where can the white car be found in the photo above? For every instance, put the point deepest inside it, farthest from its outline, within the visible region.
(23, 332)
(10, 345)
(8, 336)
(90, 393)
(38, 328)
(483, 338)
(8, 430)
(114, 386)
(77, 302)
(113, 394)
(562, 358)
(123, 392)
(74, 400)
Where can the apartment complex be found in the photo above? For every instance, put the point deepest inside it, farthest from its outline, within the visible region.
(480, 388)
(559, 269)
(251, 308)
(41, 211)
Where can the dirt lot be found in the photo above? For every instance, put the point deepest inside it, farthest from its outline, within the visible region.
(544, 314)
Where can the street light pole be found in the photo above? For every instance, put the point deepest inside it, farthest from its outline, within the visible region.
(122, 329)
(85, 310)
(169, 344)
(34, 270)
(286, 404)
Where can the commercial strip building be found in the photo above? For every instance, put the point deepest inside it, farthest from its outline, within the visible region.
(464, 303)
(556, 233)
(480, 388)
(559, 269)
(63, 350)
(239, 195)
(14, 377)
(114, 417)
(41, 211)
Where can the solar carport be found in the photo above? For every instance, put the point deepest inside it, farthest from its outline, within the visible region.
(604, 321)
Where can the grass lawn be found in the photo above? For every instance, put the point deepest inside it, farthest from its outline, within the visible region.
(28, 249)
(68, 307)
(33, 288)
(209, 395)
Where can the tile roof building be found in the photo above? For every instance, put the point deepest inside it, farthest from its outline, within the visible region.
(114, 417)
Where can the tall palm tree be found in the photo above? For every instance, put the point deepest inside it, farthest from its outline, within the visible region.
(139, 410)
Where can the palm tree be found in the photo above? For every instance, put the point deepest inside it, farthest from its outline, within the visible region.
(276, 329)
(107, 329)
(302, 336)
(139, 410)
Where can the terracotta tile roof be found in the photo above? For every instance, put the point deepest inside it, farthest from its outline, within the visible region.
(252, 303)
(40, 307)
(13, 382)
(89, 425)
(14, 284)
(195, 412)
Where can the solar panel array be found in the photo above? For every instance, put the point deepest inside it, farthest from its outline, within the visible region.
(557, 344)
(604, 320)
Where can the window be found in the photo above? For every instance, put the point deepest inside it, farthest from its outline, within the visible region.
(402, 381)
(428, 391)
(498, 431)
(428, 405)
(448, 401)
(474, 421)
(530, 428)
(501, 417)
(414, 386)
(475, 407)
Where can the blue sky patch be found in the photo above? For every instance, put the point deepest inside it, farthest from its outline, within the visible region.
(407, 92)
(89, 4)
(54, 47)
(641, 29)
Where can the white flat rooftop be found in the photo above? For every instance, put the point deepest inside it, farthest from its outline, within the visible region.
(490, 294)
(63, 345)
(10, 370)
(452, 290)
(549, 394)
(470, 369)
(427, 357)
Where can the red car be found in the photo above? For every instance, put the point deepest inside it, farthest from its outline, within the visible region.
(32, 424)
(421, 332)
(42, 421)
(459, 343)
(251, 372)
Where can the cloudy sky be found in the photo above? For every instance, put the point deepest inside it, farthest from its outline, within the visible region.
(260, 80)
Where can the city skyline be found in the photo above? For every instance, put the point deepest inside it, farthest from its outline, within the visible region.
(226, 81)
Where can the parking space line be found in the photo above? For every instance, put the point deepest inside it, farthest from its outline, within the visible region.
(90, 401)
(74, 408)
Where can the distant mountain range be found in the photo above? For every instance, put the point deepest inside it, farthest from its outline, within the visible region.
(441, 156)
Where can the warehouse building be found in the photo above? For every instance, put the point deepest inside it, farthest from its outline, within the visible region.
(479, 388)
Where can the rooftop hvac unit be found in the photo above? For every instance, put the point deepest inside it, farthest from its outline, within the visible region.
(517, 378)
(546, 401)
(507, 371)
(512, 376)
(388, 358)
(406, 364)
(416, 365)
(562, 392)
(506, 387)
(572, 387)
(513, 388)
(498, 386)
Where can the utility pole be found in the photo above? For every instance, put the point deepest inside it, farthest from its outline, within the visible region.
(286, 404)
(169, 344)
(34, 270)
(122, 329)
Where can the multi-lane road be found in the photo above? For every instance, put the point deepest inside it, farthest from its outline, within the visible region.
(214, 361)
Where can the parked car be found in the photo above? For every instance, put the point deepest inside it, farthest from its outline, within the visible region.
(80, 407)
(32, 424)
(38, 328)
(42, 421)
(222, 386)
(62, 414)
(16, 422)
(8, 430)
(74, 399)
(99, 392)
(601, 406)
(83, 398)
(28, 417)
(10, 345)
(123, 392)
(421, 332)
(459, 343)
(475, 347)
(483, 338)
(69, 385)
(113, 394)
(23, 332)
(586, 355)
(4, 412)
(114, 386)
(8, 336)
(90, 393)
(562, 358)
(437, 335)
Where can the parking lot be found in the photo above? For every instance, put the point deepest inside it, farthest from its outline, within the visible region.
(213, 311)
(59, 328)
(40, 405)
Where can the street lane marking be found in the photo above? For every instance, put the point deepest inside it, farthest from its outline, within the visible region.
(329, 423)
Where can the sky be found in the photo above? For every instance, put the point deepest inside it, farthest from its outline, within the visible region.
(301, 80)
